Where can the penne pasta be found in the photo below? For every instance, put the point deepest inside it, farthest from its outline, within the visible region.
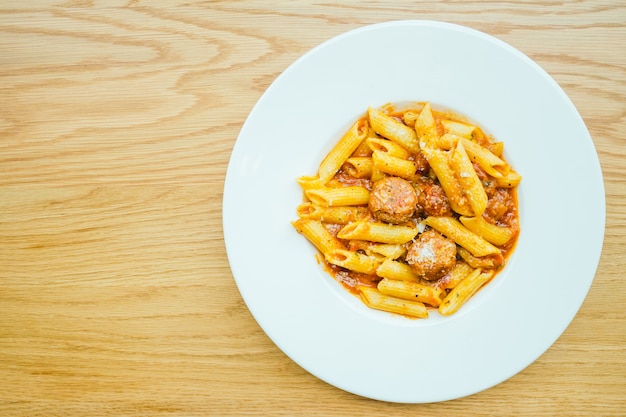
(412, 210)
(458, 129)
(510, 180)
(396, 270)
(377, 300)
(447, 141)
(438, 161)
(392, 129)
(377, 175)
(364, 149)
(336, 215)
(393, 166)
(492, 165)
(452, 279)
(426, 129)
(317, 234)
(468, 178)
(453, 229)
(354, 261)
(342, 150)
(410, 117)
(309, 182)
(310, 211)
(412, 291)
(464, 291)
(340, 196)
(387, 250)
(377, 232)
(496, 148)
(387, 146)
(490, 232)
(359, 167)
(483, 262)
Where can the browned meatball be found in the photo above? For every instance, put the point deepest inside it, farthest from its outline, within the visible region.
(392, 200)
(431, 199)
(432, 255)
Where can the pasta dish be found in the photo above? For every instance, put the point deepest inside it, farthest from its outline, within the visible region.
(413, 209)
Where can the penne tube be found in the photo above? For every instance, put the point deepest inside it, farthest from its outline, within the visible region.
(470, 183)
(410, 117)
(489, 162)
(483, 262)
(364, 149)
(308, 182)
(496, 148)
(342, 150)
(386, 250)
(389, 147)
(340, 196)
(426, 129)
(393, 166)
(354, 261)
(344, 214)
(510, 180)
(377, 232)
(377, 175)
(317, 234)
(375, 299)
(396, 270)
(412, 291)
(458, 273)
(464, 291)
(490, 232)
(463, 237)
(392, 129)
(359, 167)
(458, 128)
(447, 141)
(310, 211)
(336, 215)
(438, 161)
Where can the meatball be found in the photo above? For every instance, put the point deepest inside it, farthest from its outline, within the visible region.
(431, 199)
(432, 255)
(393, 200)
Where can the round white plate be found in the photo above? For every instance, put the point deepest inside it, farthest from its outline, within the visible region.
(507, 325)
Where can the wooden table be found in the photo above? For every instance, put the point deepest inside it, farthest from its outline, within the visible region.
(117, 120)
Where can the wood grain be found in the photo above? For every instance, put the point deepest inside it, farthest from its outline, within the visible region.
(117, 119)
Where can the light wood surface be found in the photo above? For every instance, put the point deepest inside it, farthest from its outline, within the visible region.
(117, 120)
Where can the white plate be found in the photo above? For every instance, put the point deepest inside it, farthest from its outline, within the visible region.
(507, 325)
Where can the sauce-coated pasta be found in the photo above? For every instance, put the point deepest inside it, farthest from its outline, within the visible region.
(412, 210)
